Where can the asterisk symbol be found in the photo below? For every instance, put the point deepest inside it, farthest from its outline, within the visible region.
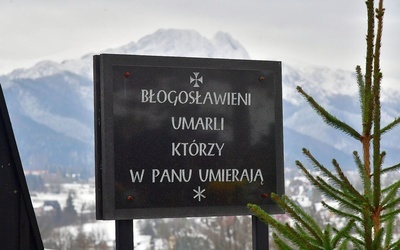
(199, 193)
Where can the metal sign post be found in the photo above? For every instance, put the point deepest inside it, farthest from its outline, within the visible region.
(124, 234)
(260, 234)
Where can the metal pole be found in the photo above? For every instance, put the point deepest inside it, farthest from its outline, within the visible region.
(260, 234)
(124, 234)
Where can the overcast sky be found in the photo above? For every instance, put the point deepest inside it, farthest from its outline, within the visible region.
(317, 32)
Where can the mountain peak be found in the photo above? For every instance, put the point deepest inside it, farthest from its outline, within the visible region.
(163, 42)
(177, 42)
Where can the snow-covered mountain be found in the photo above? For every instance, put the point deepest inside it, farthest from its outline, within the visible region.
(336, 91)
(167, 42)
(51, 104)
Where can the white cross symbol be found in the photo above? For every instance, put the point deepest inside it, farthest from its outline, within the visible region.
(196, 79)
(199, 193)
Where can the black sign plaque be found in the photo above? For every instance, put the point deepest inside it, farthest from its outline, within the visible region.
(180, 137)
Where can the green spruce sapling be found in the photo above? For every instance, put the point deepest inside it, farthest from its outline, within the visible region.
(371, 212)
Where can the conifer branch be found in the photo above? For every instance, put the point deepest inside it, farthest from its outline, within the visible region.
(365, 177)
(317, 165)
(329, 190)
(361, 93)
(347, 185)
(360, 243)
(379, 163)
(377, 156)
(299, 228)
(391, 125)
(306, 220)
(342, 234)
(299, 215)
(391, 169)
(301, 241)
(340, 212)
(378, 239)
(328, 118)
(346, 200)
(367, 123)
(390, 187)
(280, 243)
(389, 197)
(266, 218)
(377, 109)
(389, 230)
(386, 216)
(391, 204)
(353, 196)
(344, 244)
(327, 238)
(367, 225)
(286, 230)
(395, 245)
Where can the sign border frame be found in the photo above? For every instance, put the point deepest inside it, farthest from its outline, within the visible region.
(104, 155)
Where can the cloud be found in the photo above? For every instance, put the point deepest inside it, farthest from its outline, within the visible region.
(325, 33)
